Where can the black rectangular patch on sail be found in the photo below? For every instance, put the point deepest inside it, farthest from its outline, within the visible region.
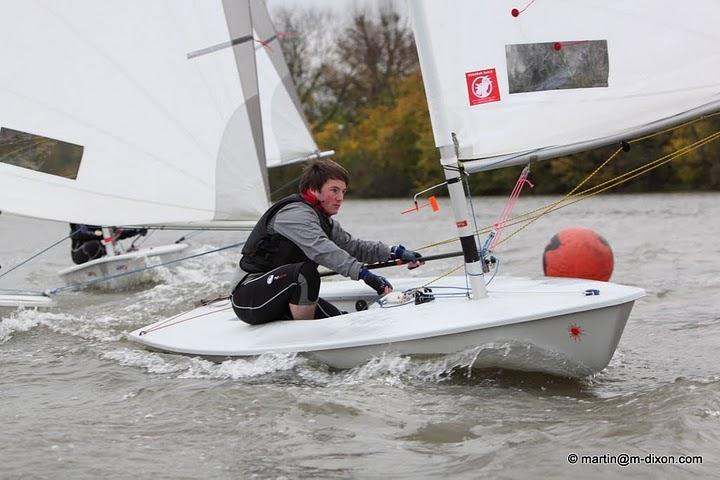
(41, 154)
(535, 67)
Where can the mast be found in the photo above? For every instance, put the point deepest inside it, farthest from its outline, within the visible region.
(473, 262)
(448, 154)
(108, 242)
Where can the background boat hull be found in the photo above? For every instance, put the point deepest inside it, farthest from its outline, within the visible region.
(119, 264)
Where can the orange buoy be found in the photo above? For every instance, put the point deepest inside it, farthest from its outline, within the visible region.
(578, 253)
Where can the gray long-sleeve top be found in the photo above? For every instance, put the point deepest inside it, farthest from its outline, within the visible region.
(339, 252)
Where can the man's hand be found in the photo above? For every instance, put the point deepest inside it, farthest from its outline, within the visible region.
(413, 259)
(376, 282)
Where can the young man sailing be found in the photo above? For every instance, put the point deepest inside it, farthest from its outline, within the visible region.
(279, 277)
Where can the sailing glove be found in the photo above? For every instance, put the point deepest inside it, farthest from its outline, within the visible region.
(406, 256)
(376, 282)
(86, 230)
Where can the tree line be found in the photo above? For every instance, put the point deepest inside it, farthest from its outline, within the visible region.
(362, 93)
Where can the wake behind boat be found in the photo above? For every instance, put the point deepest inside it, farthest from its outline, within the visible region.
(566, 327)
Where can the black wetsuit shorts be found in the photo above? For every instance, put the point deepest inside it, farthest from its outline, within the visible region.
(265, 297)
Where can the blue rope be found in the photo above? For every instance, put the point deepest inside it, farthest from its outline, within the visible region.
(39, 253)
(117, 275)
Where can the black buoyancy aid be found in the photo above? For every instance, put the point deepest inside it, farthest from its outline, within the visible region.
(264, 251)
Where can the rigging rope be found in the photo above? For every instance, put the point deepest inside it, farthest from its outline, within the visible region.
(170, 321)
(620, 179)
(189, 236)
(141, 239)
(39, 253)
(574, 196)
(284, 186)
(499, 224)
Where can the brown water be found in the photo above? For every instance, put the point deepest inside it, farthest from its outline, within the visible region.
(78, 401)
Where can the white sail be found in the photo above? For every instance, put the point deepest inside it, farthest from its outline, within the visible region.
(133, 112)
(285, 129)
(562, 76)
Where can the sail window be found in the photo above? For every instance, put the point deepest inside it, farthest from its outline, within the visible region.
(41, 154)
(535, 67)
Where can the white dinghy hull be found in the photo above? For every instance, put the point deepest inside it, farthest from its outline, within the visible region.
(548, 325)
(542, 345)
(11, 302)
(119, 264)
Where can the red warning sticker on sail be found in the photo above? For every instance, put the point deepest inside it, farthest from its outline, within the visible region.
(482, 86)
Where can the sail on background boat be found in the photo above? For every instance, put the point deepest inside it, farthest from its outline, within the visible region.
(563, 76)
(154, 109)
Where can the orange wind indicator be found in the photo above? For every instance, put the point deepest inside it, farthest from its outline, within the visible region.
(432, 203)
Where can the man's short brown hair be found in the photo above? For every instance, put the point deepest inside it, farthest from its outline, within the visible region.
(317, 172)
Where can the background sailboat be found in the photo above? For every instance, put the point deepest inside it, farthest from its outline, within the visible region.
(506, 87)
(156, 115)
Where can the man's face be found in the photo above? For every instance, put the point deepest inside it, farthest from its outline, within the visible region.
(331, 195)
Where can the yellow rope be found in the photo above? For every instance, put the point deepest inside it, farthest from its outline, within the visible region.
(670, 129)
(532, 217)
(516, 220)
(574, 196)
(449, 272)
(620, 179)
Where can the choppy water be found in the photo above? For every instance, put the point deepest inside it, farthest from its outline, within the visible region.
(78, 401)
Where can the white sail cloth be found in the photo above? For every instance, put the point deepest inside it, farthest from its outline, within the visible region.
(287, 135)
(562, 75)
(164, 128)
